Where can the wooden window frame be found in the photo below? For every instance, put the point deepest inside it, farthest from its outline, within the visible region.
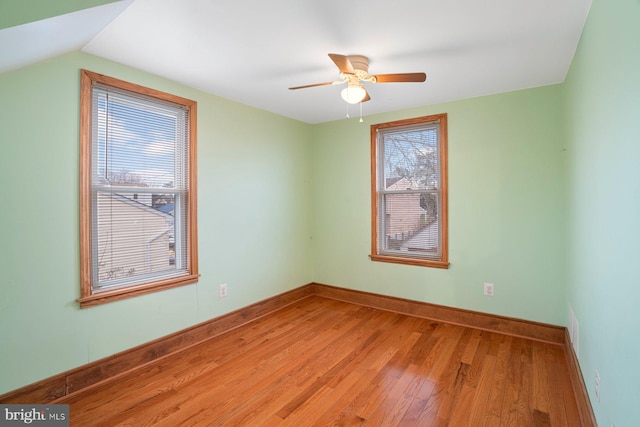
(443, 261)
(89, 296)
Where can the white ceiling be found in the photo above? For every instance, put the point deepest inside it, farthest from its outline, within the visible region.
(252, 51)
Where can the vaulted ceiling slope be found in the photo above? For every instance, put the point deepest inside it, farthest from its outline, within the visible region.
(252, 51)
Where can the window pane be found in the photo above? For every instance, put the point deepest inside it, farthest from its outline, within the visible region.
(135, 237)
(410, 224)
(411, 159)
(136, 142)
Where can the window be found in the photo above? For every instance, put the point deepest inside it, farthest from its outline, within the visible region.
(409, 191)
(137, 190)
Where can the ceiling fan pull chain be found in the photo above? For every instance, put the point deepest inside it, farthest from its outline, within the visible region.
(360, 112)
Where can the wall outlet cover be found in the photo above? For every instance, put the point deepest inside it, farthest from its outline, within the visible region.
(488, 289)
(223, 290)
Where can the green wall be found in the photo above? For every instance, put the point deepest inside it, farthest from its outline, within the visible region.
(603, 134)
(506, 210)
(254, 172)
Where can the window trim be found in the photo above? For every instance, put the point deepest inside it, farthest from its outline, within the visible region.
(443, 262)
(88, 295)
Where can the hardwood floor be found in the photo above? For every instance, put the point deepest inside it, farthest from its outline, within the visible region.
(323, 362)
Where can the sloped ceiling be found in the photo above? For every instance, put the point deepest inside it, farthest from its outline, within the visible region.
(252, 51)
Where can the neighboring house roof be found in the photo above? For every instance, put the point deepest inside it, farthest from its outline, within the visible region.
(166, 208)
(397, 184)
(391, 181)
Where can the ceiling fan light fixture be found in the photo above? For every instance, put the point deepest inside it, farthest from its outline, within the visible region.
(353, 94)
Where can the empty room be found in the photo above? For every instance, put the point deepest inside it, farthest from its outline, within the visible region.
(305, 213)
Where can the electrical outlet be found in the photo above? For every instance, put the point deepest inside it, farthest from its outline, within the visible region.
(488, 289)
(222, 290)
(597, 385)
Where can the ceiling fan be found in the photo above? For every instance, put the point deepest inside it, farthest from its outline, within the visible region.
(355, 69)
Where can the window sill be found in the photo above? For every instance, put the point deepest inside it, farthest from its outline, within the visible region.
(118, 294)
(410, 261)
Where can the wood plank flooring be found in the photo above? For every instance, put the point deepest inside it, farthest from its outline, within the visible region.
(321, 362)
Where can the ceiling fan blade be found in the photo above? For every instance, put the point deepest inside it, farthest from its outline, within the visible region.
(400, 78)
(313, 85)
(343, 63)
(366, 97)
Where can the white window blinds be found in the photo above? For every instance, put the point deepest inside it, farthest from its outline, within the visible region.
(139, 189)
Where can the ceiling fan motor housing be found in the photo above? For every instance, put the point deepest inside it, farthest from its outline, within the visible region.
(360, 65)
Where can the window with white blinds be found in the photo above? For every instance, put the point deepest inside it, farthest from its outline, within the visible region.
(138, 190)
(409, 191)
